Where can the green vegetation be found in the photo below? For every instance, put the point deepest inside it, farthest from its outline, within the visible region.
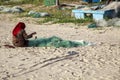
(57, 15)
(63, 16)
(66, 19)
(19, 2)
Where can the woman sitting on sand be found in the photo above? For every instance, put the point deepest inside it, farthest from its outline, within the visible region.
(20, 38)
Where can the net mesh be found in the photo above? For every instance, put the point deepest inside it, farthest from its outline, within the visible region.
(55, 42)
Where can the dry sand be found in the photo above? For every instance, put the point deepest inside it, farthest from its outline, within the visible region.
(98, 62)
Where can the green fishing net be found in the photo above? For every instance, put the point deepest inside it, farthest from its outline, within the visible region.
(55, 42)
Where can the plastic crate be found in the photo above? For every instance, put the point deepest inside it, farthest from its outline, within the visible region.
(92, 0)
(49, 2)
(97, 15)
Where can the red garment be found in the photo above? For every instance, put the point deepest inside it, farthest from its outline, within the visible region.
(18, 28)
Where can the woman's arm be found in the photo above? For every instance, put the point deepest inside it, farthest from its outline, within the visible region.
(26, 36)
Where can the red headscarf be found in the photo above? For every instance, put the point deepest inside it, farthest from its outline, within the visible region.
(18, 28)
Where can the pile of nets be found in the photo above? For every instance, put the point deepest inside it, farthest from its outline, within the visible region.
(55, 42)
(15, 9)
(35, 14)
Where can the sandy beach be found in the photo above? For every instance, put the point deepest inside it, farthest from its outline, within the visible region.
(98, 62)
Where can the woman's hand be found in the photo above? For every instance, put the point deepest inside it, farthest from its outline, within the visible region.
(34, 33)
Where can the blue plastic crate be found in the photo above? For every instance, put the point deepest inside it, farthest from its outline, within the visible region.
(97, 15)
(92, 0)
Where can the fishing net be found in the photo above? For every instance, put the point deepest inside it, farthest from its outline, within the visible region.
(55, 42)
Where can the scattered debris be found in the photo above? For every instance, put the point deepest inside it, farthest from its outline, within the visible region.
(92, 25)
(72, 52)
